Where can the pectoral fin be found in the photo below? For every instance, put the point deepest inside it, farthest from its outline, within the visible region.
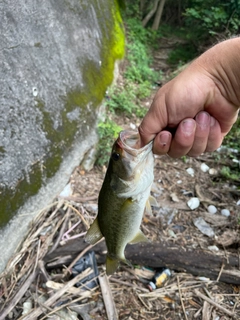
(94, 234)
(150, 202)
(153, 201)
(139, 237)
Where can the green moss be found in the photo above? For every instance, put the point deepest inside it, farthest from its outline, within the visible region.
(11, 200)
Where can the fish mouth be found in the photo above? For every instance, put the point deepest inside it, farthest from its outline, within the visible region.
(130, 141)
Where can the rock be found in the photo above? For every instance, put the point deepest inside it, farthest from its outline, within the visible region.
(57, 60)
(193, 203)
(212, 209)
(27, 306)
(212, 171)
(225, 212)
(213, 248)
(204, 167)
(190, 171)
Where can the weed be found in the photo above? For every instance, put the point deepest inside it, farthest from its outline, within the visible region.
(230, 174)
(108, 132)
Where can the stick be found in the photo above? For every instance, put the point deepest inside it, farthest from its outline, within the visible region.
(180, 296)
(18, 296)
(108, 298)
(215, 304)
(37, 312)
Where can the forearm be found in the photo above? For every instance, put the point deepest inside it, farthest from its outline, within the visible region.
(222, 63)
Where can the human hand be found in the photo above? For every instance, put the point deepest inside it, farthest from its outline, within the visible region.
(192, 113)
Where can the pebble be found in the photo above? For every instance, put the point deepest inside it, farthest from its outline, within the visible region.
(204, 167)
(132, 126)
(27, 306)
(212, 171)
(193, 203)
(213, 248)
(190, 171)
(212, 209)
(225, 212)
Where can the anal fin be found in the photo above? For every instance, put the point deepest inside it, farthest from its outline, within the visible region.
(94, 234)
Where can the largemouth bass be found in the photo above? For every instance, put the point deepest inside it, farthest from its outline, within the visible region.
(123, 197)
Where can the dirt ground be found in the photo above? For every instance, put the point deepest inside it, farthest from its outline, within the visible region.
(35, 286)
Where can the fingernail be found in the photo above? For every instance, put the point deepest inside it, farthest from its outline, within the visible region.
(212, 121)
(164, 138)
(188, 126)
(203, 119)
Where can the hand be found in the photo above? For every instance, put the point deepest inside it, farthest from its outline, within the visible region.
(190, 114)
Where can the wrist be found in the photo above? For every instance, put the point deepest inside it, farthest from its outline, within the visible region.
(222, 64)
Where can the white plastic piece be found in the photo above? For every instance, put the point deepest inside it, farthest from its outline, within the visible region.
(204, 227)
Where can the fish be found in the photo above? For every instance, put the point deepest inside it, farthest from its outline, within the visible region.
(124, 195)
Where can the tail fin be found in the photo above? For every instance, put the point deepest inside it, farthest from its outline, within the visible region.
(111, 265)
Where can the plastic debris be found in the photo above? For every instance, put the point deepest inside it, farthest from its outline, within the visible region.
(212, 209)
(87, 261)
(190, 171)
(204, 227)
(193, 203)
(225, 212)
(204, 167)
(238, 203)
(159, 279)
(167, 213)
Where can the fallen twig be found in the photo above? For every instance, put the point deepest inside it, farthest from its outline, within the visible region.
(107, 298)
(18, 296)
(215, 304)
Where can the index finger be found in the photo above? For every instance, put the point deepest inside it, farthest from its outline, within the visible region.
(154, 122)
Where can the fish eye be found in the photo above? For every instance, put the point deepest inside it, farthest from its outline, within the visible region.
(115, 156)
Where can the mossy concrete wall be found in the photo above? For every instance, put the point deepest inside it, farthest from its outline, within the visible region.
(57, 60)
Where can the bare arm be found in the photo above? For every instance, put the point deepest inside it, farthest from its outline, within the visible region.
(200, 104)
